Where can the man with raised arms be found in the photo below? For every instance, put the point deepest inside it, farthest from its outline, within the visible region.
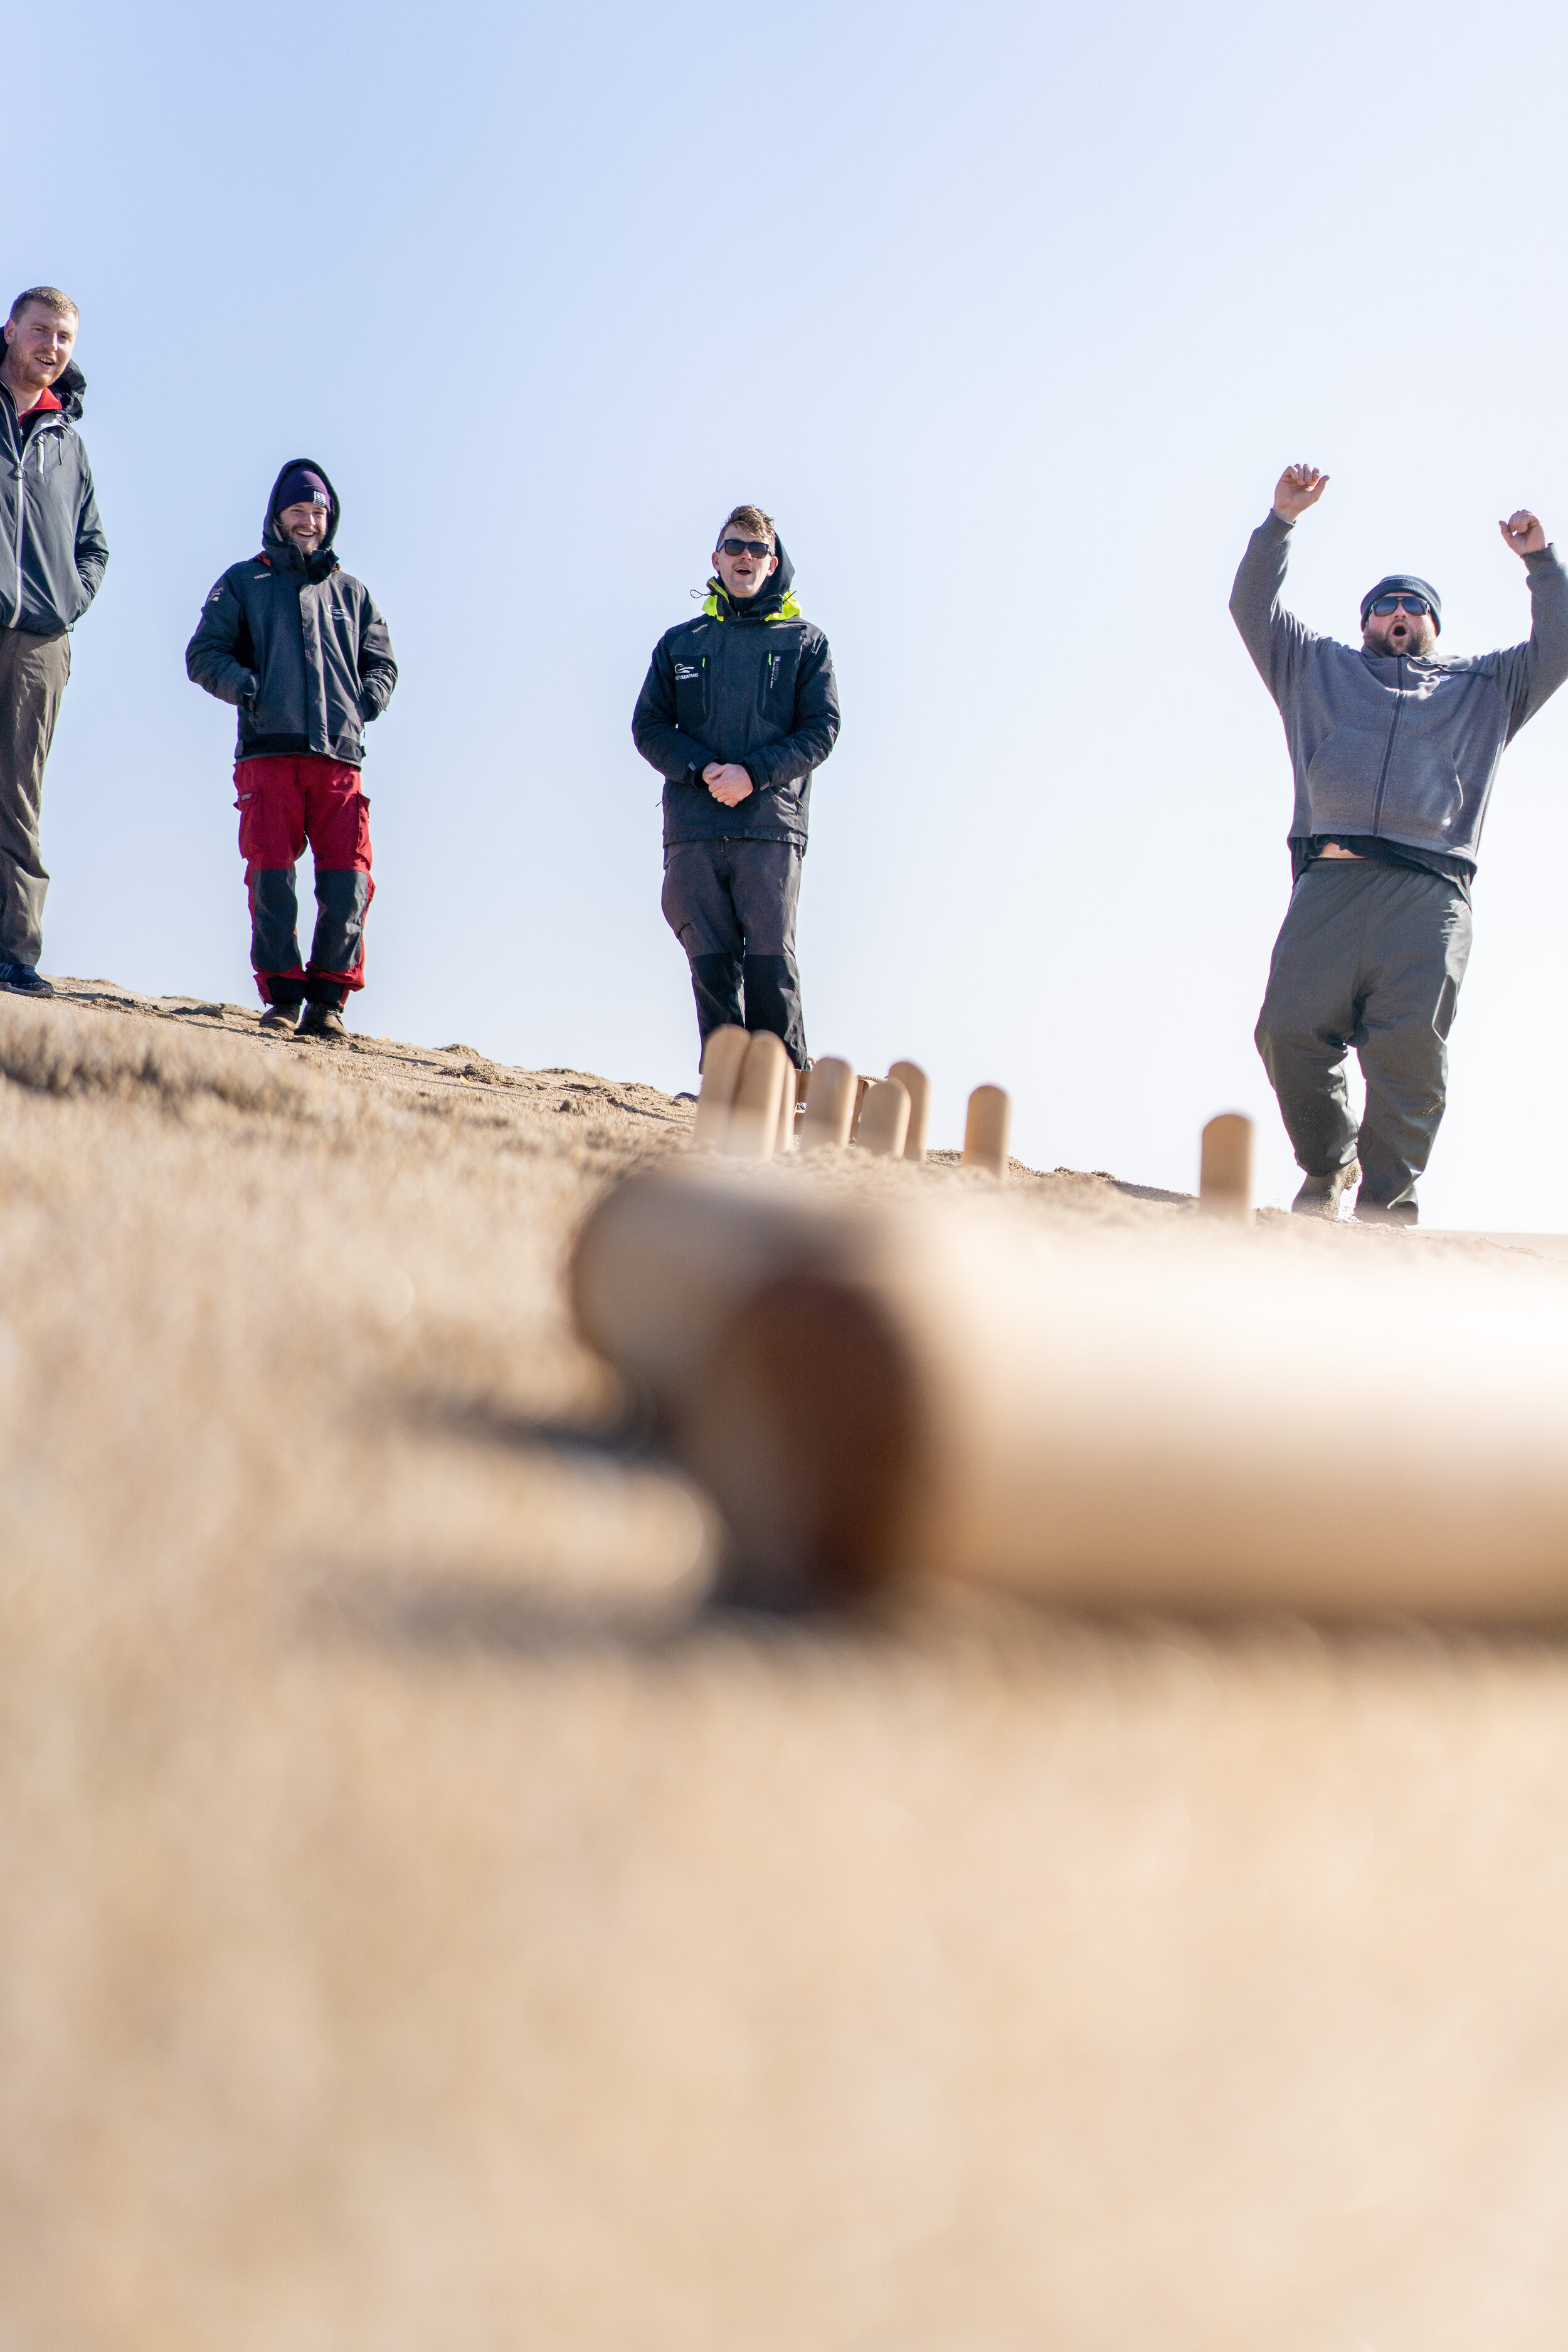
(1394, 747)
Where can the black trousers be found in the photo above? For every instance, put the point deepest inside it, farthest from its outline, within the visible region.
(731, 905)
(1370, 956)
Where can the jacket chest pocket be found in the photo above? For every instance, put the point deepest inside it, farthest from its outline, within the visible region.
(779, 671)
(691, 693)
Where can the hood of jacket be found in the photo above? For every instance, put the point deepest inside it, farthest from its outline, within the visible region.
(283, 554)
(774, 602)
(68, 388)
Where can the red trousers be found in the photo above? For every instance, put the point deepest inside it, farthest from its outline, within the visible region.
(283, 803)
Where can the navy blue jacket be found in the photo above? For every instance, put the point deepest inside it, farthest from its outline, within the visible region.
(749, 681)
(53, 553)
(297, 643)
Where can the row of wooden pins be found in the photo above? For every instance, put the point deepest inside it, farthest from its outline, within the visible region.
(751, 1092)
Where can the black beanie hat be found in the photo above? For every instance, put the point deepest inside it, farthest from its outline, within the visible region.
(302, 488)
(1408, 585)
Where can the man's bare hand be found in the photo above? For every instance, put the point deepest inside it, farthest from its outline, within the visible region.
(1299, 488)
(728, 781)
(1525, 532)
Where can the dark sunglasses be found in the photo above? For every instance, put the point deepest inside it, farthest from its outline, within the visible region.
(1416, 604)
(757, 547)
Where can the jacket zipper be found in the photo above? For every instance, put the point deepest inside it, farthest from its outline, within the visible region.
(21, 510)
(1388, 747)
(22, 502)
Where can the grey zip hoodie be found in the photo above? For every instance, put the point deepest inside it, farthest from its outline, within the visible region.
(53, 553)
(1399, 750)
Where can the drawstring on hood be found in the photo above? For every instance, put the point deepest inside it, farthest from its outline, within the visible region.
(774, 601)
(281, 552)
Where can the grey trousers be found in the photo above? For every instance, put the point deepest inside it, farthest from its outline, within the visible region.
(1370, 956)
(33, 673)
(731, 905)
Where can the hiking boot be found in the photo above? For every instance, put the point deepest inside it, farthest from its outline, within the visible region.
(25, 979)
(1320, 1196)
(322, 1021)
(279, 1020)
(1380, 1213)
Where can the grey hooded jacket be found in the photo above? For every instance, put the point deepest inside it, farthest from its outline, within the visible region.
(298, 643)
(1398, 748)
(53, 553)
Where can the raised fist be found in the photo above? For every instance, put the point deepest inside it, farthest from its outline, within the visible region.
(1299, 488)
(1524, 532)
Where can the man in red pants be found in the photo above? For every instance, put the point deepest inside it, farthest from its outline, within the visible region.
(299, 647)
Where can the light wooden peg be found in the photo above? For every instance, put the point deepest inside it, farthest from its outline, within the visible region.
(916, 1085)
(986, 1131)
(755, 1113)
(1224, 1169)
(722, 1057)
(884, 1120)
(830, 1107)
(786, 1108)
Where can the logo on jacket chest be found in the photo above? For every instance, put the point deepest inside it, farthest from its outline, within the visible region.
(687, 671)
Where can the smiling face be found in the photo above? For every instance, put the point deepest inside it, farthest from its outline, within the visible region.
(1403, 631)
(305, 524)
(742, 573)
(38, 345)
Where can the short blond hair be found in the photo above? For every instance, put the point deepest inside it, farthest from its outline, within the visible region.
(47, 297)
(753, 521)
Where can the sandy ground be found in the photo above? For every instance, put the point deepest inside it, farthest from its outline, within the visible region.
(424, 1923)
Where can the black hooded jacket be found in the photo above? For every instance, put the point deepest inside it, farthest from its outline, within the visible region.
(750, 681)
(53, 553)
(297, 643)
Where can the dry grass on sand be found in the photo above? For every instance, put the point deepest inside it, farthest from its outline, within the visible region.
(424, 1927)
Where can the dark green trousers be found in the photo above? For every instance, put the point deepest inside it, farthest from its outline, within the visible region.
(33, 673)
(1369, 957)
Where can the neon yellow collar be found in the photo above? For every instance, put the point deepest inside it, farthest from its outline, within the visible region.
(788, 611)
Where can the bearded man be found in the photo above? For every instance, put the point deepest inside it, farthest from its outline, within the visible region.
(297, 645)
(1395, 748)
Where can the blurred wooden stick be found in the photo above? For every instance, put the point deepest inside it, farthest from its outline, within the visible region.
(916, 1085)
(722, 1057)
(1225, 1166)
(884, 1120)
(830, 1106)
(962, 1392)
(986, 1131)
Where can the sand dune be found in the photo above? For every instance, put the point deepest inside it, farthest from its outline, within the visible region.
(424, 1923)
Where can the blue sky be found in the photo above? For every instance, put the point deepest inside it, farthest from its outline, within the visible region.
(1010, 315)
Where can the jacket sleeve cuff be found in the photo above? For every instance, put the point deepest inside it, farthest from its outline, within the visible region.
(1275, 523)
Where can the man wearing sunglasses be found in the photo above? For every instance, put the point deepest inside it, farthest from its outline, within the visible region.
(1394, 747)
(739, 707)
